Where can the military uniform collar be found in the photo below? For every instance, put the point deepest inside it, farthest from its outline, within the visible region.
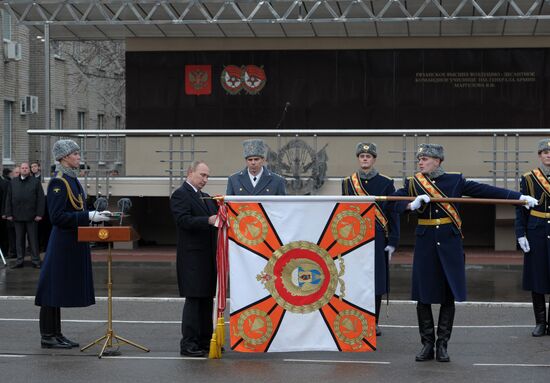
(368, 175)
(436, 173)
(545, 170)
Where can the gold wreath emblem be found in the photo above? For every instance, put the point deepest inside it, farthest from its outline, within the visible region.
(250, 228)
(351, 327)
(103, 234)
(255, 327)
(348, 228)
(301, 277)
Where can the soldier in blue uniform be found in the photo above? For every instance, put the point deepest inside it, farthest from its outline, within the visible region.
(66, 274)
(533, 234)
(255, 179)
(368, 181)
(439, 275)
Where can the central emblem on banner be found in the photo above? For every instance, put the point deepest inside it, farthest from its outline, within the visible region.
(301, 276)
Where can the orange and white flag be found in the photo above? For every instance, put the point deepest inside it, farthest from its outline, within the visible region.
(301, 273)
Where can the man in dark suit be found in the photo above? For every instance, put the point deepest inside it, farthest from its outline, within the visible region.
(255, 179)
(4, 237)
(195, 215)
(25, 205)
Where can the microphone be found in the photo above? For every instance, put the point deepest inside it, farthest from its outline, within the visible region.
(283, 115)
(124, 204)
(101, 204)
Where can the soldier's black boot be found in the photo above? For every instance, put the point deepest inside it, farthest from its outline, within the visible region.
(444, 331)
(378, 304)
(539, 308)
(48, 328)
(58, 335)
(427, 333)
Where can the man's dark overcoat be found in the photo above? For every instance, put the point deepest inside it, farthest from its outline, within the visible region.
(438, 253)
(196, 251)
(536, 263)
(66, 278)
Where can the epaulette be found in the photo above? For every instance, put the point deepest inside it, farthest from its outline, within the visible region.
(526, 174)
(385, 176)
(453, 172)
(346, 179)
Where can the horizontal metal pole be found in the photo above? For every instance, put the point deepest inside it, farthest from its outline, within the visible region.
(285, 132)
(310, 198)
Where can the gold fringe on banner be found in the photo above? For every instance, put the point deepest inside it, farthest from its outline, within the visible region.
(218, 340)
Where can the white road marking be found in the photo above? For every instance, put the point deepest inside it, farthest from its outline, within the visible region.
(153, 357)
(510, 365)
(95, 321)
(12, 356)
(333, 361)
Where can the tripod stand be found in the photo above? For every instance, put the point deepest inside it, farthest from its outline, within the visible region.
(109, 235)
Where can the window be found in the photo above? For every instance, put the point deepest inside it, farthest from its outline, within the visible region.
(100, 121)
(7, 131)
(81, 120)
(117, 122)
(59, 119)
(6, 25)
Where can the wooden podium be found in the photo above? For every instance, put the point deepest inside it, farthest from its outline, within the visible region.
(109, 234)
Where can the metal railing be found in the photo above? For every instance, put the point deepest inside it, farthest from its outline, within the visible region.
(505, 154)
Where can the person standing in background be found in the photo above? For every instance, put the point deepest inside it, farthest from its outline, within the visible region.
(533, 236)
(368, 181)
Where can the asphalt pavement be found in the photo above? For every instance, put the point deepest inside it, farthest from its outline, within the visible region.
(491, 341)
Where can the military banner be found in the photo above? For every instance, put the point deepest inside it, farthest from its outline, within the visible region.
(302, 274)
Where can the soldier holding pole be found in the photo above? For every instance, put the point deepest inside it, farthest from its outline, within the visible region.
(533, 235)
(439, 275)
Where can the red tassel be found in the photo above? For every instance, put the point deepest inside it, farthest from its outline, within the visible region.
(221, 255)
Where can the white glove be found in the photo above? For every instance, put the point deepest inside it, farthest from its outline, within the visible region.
(417, 203)
(390, 250)
(531, 202)
(99, 216)
(524, 244)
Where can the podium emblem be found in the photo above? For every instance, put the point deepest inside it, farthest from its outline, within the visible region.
(103, 234)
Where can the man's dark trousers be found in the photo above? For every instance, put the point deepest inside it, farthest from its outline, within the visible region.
(196, 324)
(26, 229)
